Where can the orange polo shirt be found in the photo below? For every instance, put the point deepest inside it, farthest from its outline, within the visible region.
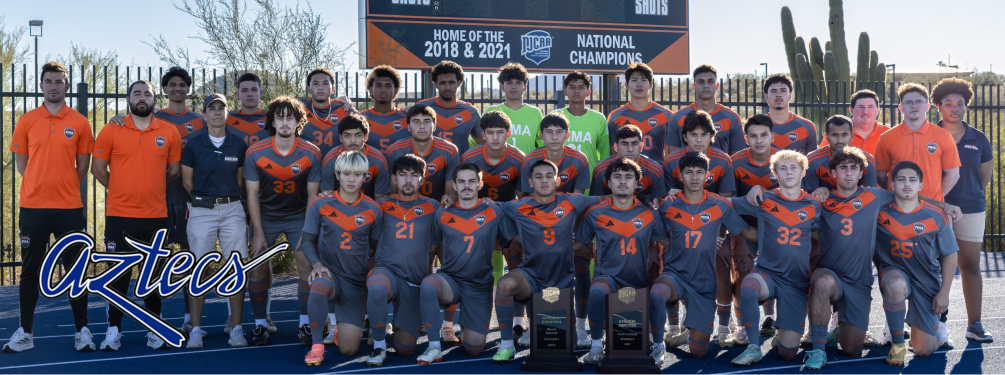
(52, 143)
(931, 147)
(867, 144)
(137, 164)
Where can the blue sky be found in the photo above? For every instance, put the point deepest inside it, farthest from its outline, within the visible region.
(733, 35)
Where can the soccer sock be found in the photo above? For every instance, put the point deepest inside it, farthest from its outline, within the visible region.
(596, 343)
(748, 313)
(332, 318)
(471, 350)
(261, 322)
(581, 323)
(504, 314)
(258, 291)
(818, 334)
(658, 296)
(674, 314)
(769, 308)
(698, 348)
(517, 320)
(598, 312)
(378, 286)
(895, 314)
(229, 313)
(449, 315)
(380, 344)
(317, 308)
(498, 263)
(786, 352)
(429, 307)
(723, 312)
(582, 288)
(303, 292)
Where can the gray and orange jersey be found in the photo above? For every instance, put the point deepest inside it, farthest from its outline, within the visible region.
(622, 238)
(653, 121)
(915, 242)
(385, 128)
(468, 236)
(455, 123)
(344, 232)
(693, 228)
(652, 184)
(783, 233)
(502, 180)
(729, 136)
(546, 231)
(282, 180)
(251, 127)
(848, 233)
(441, 160)
(322, 124)
(720, 171)
(819, 174)
(796, 134)
(573, 170)
(377, 179)
(747, 173)
(406, 230)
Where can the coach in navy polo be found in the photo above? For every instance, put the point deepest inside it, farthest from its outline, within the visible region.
(212, 166)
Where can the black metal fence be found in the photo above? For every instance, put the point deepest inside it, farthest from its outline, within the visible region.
(99, 93)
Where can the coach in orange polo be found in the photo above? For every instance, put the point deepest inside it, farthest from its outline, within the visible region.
(865, 128)
(139, 153)
(919, 141)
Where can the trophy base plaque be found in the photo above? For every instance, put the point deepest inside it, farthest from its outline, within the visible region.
(552, 364)
(551, 330)
(626, 365)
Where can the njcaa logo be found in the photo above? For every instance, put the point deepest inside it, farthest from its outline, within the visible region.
(856, 203)
(295, 168)
(637, 223)
(536, 46)
(25, 242)
(431, 168)
(802, 215)
(68, 132)
(564, 177)
(159, 141)
(793, 136)
(504, 177)
(261, 125)
(626, 294)
(705, 217)
(551, 294)
(333, 118)
(360, 220)
(418, 211)
(458, 119)
(919, 228)
(189, 127)
(480, 220)
(559, 212)
(932, 147)
(397, 125)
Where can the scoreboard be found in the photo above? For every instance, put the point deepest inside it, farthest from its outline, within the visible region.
(596, 36)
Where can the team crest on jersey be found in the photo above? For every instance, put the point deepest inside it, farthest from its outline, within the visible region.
(772, 178)
(559, 212)
(396, 125)
(718, 126)
(711, 177)
(333, 118)
(919, 228)
(802, 215)
(159, 141)
(932, 147)
(536, 46)
(295, 168)
(360, 220)
(68, 132)
(564, 177)
(652, 123)
(638, 188)
(793, 136)
(637, 223)
(705, 217)
(367, 178)
(110, 246)
(261, 124)
(480, 220)
(418, 211)
(458, 119)
(504, 177)
(857, 203)
(189, 127)
(25, 242)
(431, 168)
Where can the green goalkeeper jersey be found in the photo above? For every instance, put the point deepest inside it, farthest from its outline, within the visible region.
(588, 134)
(526, 130)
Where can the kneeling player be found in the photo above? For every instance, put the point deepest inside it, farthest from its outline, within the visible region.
(348, 224)
(467, 231)
(623, 227)
(915, 246)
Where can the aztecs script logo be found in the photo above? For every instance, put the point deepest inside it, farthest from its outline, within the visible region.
(176, 275)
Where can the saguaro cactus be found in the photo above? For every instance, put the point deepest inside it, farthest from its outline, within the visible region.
(879, 76)
(789, 37)
(862, 72)
(839, 47)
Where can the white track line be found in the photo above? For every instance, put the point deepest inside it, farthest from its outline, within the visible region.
(174, 318)
(183, 352)
(143, 330)
(909, 355)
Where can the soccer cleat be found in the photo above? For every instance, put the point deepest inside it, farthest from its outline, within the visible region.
(155, 342)
(897, 353)
(945, 342)
(815, 359)
(832, 337)
(237, 339)
(722, 337)
(304, 334)
(658, 354)
(20, 342)
(315, 356)
(524, 339)
(870, 341)
(260, 336)
(582, 338)
(332, 338)
(807, 339)
(83, 341)
(504, 355)
(738, 337)
(671, 331)
(595, 355)
(186, 328)
(976, 332)
(680, 339)
(448, 336)
(376, 358)
(271, 325)
(518, 331)
(431, 355)
(750, 356)
(195, 339)
(768, 327)
(228, 326)
(112, 341)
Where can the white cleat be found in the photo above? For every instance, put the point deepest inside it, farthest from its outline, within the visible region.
(722, 337)
(524, 340)
(678, 340)
(271, 325)
(582, 338)
(738, 337)
(237, 339)
(112, 341)
(658, 354)
(195, 339)
(155, 342)
(833, 323)
(670, 332)
(945, 342)
(20, 342)
(228, 326)
(595, 356)
(83, 341)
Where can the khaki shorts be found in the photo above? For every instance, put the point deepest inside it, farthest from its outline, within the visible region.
(970, 228)
(223, 222)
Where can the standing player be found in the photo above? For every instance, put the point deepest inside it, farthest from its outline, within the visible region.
(650, 117)
(689, 263)
(338, 234)
(819, 179)
(573, 167)
(786, 218)
(249, 120)
(402, 256)
(52, 167)
(387, 123)
(791, 132)
(145, 147)
(916, 249)
(623, 228)
(587, 128)
(728, 134)
(467, 231)
(354, 133)
(282, 174)
(864, 111)
(323, 113)
(526, 119)
(628, 145)
(543, 222)
(440, 156)
(455, 119)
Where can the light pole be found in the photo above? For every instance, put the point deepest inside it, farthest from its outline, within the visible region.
(765, 69)
(32, 25)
